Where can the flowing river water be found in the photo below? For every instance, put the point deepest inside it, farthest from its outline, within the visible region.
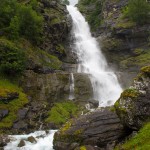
(106, 87)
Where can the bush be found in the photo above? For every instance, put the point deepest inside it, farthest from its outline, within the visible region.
(138, 11)
(30, 23)
(18, 20)
(12, 59)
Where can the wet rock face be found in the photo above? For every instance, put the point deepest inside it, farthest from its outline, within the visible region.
(133, 107)
(100, 128)
(55, 87)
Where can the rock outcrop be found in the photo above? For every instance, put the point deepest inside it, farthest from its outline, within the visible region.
(133, 107)
(98, 129)
(124, 43)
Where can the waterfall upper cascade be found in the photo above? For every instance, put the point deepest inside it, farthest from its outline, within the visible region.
(106, 87)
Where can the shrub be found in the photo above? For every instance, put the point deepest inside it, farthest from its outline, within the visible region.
(30, 23)
(138, 11)
(12, 59)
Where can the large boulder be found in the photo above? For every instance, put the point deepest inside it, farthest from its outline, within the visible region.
(101, 128)
(133, 106)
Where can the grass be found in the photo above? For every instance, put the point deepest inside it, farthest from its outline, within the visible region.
(139, 142)
(61, 112)
(14, 105)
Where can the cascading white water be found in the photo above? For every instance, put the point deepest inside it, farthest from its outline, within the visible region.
(106, 87)
(44, 141)
(71, 78)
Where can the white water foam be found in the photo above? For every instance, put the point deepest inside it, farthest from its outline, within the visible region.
(106, 87)
(44, 141)
(71, 78)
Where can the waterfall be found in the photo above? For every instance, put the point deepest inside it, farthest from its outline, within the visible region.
(71, 78)
(106, 87)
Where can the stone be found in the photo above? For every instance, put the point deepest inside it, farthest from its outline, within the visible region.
(4, 139)
(133, 106)
(31, 139)
(22, 113)
(21, 143)
(9, 96)
(98, 128)
(20, 125)
(3, 113)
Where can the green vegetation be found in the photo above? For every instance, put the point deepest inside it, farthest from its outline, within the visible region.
(141, 141)
(138, 11)
(12, 59)
(93, 16)
(82, 148)
(61, 112)
(141, 59)
(19, 20)
(13, 106)
(66, 2)
(133, 93)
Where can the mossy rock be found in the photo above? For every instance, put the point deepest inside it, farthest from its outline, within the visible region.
(133, 105)
(60, 113)
(13, 106)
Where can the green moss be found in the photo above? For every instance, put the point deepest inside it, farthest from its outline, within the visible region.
(61, 112)
(146, 69)
(133, 93)
(138, 60)
(139, 142)
(13, 106)
(66, 126)
(125, 24)
(82, 148)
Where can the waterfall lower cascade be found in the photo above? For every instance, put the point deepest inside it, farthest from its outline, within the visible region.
(106, 87)
(44, 141)
(71, 78)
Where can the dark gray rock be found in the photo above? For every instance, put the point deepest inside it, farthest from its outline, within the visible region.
(9, 96)
(21, 143)
(31, 139)
(22, 113)
(20, 125)
(3, 113)
(4, 139)
(100, 128)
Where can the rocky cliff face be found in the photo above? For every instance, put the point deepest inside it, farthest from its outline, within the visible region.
(125, 44)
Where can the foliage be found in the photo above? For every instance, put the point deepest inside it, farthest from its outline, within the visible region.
(30, 23)
(138, 11)
(61, 112)
(139, 142)
(18, 20)
(12, 59)
(66, 2)
(14, 105)
(94, 17)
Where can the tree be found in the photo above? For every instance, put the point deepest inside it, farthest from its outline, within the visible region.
(138, 11)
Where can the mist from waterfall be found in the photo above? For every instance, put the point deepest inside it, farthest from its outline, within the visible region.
(106, 87)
